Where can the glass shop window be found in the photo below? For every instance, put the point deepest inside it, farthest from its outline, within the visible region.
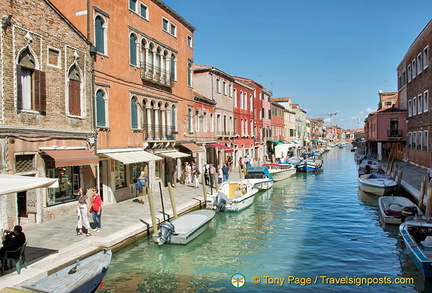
(66, 188)
(120, 174)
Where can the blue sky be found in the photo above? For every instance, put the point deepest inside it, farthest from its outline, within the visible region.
(327, 55)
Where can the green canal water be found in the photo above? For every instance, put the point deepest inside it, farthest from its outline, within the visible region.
(309, 233)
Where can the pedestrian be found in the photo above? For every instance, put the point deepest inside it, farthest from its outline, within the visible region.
(83, 207)
(206, 171)
(141, 186)
(212, 172)
(188, 173)
(12, 240)
(195, 173)
(225, 172)
(96, 209)
(220, 174)
(240, 162)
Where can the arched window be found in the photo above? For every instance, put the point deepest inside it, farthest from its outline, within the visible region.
(100, 109)
(133, 49)
(100, 34)
(173, 118)
(31, 84)
(150, 58)
(134, 113)
(173, 67)
(189, 74)
(74, 80)
(190, 120)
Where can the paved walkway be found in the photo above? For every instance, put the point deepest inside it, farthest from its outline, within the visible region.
(54, 244)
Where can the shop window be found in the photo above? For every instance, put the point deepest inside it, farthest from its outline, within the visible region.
(120, 174)
(67, 186)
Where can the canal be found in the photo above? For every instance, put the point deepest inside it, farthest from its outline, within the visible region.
(309, 233)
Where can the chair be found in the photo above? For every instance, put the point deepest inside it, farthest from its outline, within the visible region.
(17, 255)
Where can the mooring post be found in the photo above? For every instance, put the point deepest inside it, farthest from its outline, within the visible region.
(204, 188)
(428, 212)
(422, 191)
(171, 195)
(152, 211)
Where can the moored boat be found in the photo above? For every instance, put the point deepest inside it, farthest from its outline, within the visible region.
(416, 232)
(184, 229)
(379, 184)
(280, 171)
(310, 164)
(395, 209)
(232, 196)
(260, 177)
(83, 276)
(368, 164)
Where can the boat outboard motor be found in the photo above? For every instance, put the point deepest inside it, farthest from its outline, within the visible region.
(408, 211)
(220, 202)
(166, 231)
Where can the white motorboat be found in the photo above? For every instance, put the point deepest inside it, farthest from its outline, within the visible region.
(280, 171)
(311, 164)
(395, 209)
(379, 184)
(184, 229)
(260, 177)
(232, 196)
(368, 164)
(83, 276)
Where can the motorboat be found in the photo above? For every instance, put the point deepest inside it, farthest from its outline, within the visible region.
(310, 164)
(185, 228)
(82, 276)
(260, 177)
(368, 164)
(280, 171)
(379, 184)
(232, 196)
(416, 232)
(395, 209)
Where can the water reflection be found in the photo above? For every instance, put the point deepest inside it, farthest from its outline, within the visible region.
(309, 225)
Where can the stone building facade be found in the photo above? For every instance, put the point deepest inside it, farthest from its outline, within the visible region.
(46, 110)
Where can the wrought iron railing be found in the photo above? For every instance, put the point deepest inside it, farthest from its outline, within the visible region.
(394, 133)
(152, 132)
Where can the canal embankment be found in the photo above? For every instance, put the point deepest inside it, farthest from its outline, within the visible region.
(55, 244)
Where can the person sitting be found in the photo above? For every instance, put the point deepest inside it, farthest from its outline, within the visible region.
(12, 240)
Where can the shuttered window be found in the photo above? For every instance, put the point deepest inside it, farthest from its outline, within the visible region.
(134, 113)
(31, 90)
(100, 34)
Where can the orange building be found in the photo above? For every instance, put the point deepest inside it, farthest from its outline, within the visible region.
(143, 54)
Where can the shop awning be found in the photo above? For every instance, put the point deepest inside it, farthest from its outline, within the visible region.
(192, 147)
(16, 183)
(65, 158)
(275, 142)
(133, 157)
(173, 154)
(221, 146)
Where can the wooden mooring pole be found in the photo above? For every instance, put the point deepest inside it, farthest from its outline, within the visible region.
(152, 211)
(422, 191)
(173, 204)
(428, 212)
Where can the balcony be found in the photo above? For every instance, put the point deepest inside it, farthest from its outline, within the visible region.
(158, 133)
(225, 134)
(394, 133)
(155, 74)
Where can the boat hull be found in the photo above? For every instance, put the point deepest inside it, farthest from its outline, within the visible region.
(392, 209)
(262, 184)
(237, 196)
(279, 175)
(85, 278)
(378, 184)
(188, 227)
(423, 261)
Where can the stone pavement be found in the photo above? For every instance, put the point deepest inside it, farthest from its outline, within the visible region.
(54, 244)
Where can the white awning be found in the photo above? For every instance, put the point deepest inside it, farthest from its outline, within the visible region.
(173, 154)
(17, 183)
(133, 157)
